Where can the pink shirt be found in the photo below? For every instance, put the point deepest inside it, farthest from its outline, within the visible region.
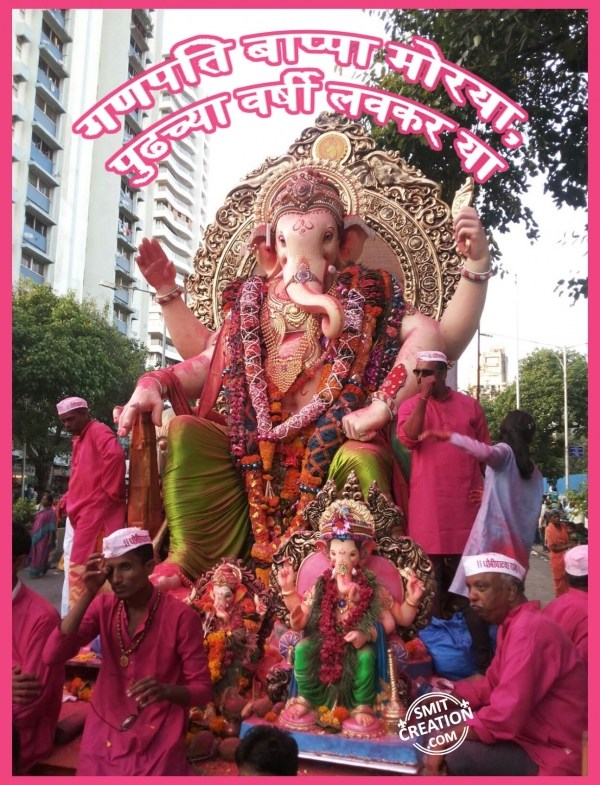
(534, 692)
(173, 653)
(440, 510)
(570, 612)
(96, 499)
(33, 619)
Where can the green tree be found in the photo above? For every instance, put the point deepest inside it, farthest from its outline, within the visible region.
(541, 394)
(539, 59)
(62, 347)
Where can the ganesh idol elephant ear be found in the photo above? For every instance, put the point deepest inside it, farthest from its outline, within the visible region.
(355, 234)
(262, 242)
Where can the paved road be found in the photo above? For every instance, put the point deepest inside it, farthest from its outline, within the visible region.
(539, 585)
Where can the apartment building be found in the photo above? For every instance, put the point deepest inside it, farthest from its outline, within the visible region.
(77, 226)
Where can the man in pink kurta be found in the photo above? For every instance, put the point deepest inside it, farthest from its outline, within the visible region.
(37, 688)
(154, 664)
(445, 486)
(96, 499)
(570, 610)
(530, 708)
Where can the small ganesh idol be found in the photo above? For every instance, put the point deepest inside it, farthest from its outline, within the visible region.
(345, 617)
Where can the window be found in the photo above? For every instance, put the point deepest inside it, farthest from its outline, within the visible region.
(51, 35)
(40, 145)
(38, 184)
(33, 265)
(34, 223)
(42, 104)
(120, 313)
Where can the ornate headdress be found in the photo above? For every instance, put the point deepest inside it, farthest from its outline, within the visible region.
(301, 187)
(227, 575)
(303, 191)
(347, 519)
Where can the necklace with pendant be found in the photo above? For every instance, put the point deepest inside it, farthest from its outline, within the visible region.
(137, 639)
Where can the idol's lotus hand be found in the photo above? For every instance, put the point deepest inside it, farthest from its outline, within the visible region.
(154, 265)
(146, 398)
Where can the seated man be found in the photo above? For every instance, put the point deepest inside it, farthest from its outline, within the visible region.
(266, 750)
(570, 610)
(530, 708)
(153, 663)
(36, 687)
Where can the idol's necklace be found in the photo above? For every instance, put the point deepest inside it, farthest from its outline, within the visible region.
(137, 639)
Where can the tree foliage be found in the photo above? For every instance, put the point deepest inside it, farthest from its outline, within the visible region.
(60, 348)
(536, 57)
(542, 394)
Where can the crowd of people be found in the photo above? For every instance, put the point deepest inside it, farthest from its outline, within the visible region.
(474, 507)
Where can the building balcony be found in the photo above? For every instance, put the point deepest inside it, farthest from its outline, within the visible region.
(25, 272)
(57, 16)
(38, 157)
(21, 72)
(135, 120)
(182, 156)
(23, 30)
(48, 127)
(184, 175)
(35, 239)
(49, 89)
(177, 224)
(126, 236)
(38, 199)
(124, 266)
(127, 205)
(184, 207)
(54, 55)
(174, 241)
(18, 111)
(136, 58)
(121, 326)
(140, 36)
(165, 175)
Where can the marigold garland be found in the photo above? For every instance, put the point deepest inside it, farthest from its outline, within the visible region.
(277, 450)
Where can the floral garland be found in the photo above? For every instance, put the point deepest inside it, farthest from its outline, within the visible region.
(282, 454)
(333, 631)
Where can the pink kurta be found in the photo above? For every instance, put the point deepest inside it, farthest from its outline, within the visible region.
(33, 619)
(96, 497)
(442, 479)
(570, 612)
(534, 692)
(173, 653)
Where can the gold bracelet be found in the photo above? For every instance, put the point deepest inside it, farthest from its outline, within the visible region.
(412, 605)
(287, 593)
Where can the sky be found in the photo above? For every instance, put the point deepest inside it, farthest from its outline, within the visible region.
(522, 309)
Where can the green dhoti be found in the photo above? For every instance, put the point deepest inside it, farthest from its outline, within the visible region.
(364, 678)
(205, 502)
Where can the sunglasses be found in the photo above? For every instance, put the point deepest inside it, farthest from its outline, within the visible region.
(423, 372)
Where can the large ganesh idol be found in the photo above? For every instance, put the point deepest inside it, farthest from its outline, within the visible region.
(312, 357)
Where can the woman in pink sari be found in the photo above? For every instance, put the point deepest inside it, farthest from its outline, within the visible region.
(43, 537)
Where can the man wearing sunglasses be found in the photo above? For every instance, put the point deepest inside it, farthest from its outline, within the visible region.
(445, 488)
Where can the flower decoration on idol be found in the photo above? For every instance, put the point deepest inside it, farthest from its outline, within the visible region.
(340, 522)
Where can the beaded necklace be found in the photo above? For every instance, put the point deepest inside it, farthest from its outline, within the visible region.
(137, 639)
